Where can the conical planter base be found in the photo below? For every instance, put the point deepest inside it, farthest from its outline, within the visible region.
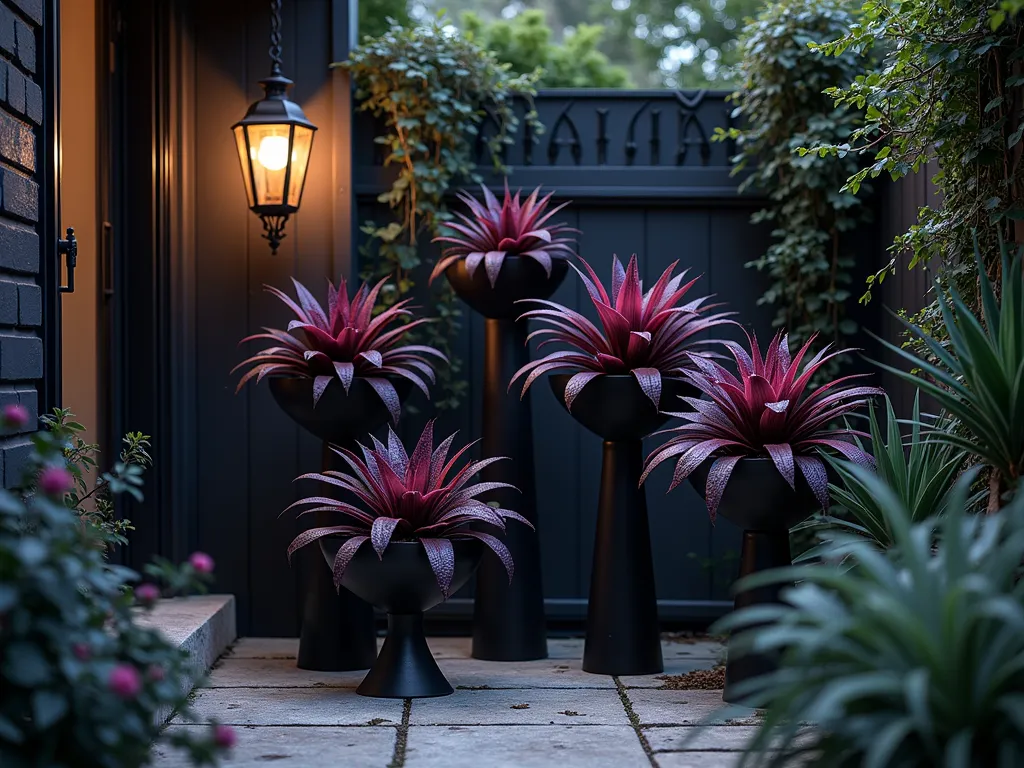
(758, 499)
(338, 631)
(623, 633)
(508, 619)
(402, 583)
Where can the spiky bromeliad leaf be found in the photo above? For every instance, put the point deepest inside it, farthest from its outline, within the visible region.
(979, 377)
(397, 497)
(910, 657)
(494, 230)
(918, 470)
(346, 341)
(767, 411)
(648, 335)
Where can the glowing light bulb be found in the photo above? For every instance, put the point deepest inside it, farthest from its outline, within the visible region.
(273, 152)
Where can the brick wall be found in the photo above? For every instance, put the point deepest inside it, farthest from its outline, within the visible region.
(21, 114)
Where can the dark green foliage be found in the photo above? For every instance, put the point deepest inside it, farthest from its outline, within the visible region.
(919, 470)
(525, 42)
(978, 376)
(905, 659)
(432, 91)
(782, 108)
(948, 88)
(82, 682)
(96, 505)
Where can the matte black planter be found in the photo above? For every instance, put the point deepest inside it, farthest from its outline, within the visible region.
(623, 634)
(338, 632)
(758, 499)
(508, 619)
(403, 584)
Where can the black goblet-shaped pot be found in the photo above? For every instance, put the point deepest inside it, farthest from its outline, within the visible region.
(508, 619)
(623, 634)
(338, 632)
(758, 499)
(402, 583)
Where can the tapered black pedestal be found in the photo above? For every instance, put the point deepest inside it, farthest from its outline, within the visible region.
(508, 619)
(402, 583)
(760, 551)
(338, 630)
(760, 501)
(405, 667)
(623, 635)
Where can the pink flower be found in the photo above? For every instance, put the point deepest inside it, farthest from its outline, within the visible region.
(202, 562)
(82, 651)
(147, 594)
(124, 681)
(15, 416)
(55, 481)
(155, 672)
(224, 736)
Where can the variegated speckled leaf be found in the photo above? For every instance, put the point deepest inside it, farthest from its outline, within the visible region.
(718, 478)
(441, 555)
(345, 554)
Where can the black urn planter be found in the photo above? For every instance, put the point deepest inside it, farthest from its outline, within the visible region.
(760, 501)
(338, 632)
(623, 634)
(402, 583)
(508, 619)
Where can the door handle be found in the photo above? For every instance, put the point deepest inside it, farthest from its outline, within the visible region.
(69, 248)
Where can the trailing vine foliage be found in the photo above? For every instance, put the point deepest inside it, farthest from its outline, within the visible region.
(781, 108)
(434, 93)
(948, 87)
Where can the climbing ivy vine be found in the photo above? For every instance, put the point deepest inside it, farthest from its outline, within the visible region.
(781, 107)
(432, 91)
(949, 87)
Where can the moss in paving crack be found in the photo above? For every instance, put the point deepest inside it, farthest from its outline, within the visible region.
(520, 706)
(473, 688)
(398, 758)
(634, 720)
(571, 713)
(377, 721)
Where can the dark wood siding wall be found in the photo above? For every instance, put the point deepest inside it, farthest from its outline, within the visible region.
(643, 176)
(24, 160)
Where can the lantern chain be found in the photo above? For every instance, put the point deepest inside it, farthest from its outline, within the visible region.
(275, 37)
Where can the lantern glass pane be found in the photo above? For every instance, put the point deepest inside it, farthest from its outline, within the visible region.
(244, 159)
(301, 147)
(268, 154)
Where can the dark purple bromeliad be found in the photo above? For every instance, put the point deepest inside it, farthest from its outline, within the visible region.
(648, 335)
(510, 228)
(767, 410)
(408, 498)
(342, 343)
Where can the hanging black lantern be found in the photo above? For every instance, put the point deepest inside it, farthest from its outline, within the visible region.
(274, 142)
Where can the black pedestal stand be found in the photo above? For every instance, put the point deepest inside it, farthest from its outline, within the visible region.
(760, 551)
(508, 619)
(338, 629)
(763, 504)
(402, 583)
(623, 635)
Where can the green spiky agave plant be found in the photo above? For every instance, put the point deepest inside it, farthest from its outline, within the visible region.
(920, 471)
(979, 377)
(908, 659)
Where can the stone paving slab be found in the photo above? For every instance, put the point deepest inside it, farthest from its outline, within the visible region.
(692, 738)
(658, 707)
(295, 706)
(673, 666)
(698, 759)
(549, 673)
(265, 648)
(524, 746)
(299, 748)
(233, 672)
(521, 707)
